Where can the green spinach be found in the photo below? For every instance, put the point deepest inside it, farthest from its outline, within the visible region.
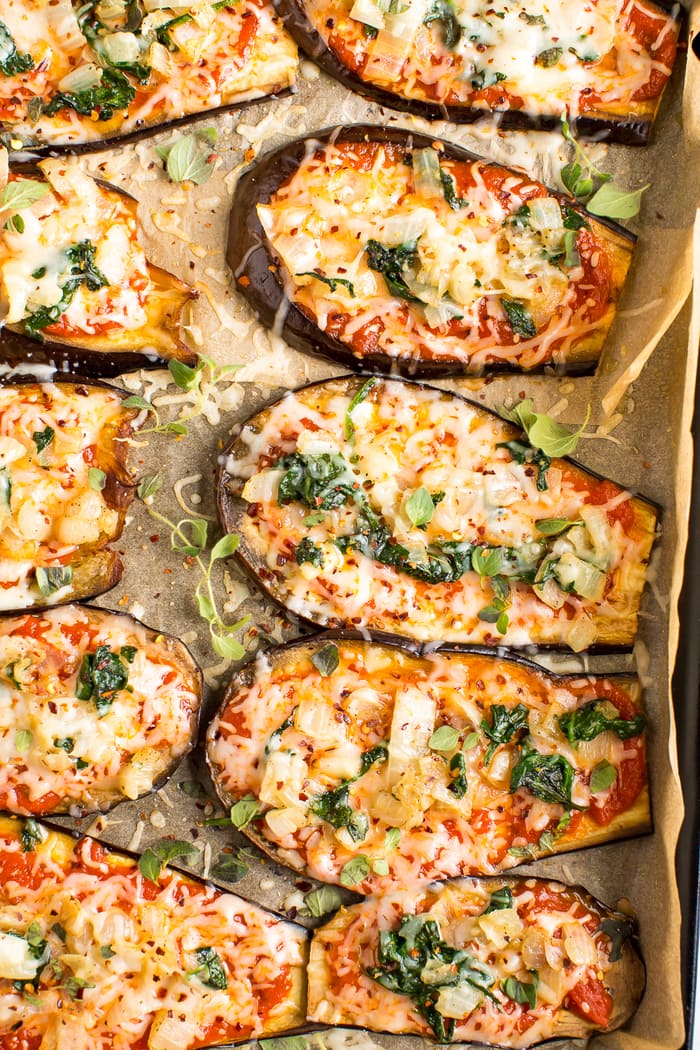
(588, 721)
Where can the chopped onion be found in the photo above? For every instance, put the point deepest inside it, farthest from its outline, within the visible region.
(120, 48)
(426, 172)
(81, 79)
(500, 927)
(283, 822)
(582, 633)
(585, 579)
(369, 13)
(159, 59)
(458, 1001)
(405, 24)
(598, 528)
(262, 487)
(170, 1033)
(110, 10)
(545, 214)
(579, 945)
(138, 776)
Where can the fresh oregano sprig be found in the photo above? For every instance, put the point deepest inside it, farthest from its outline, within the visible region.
(197, 379)
(189, 536)
(595, 188)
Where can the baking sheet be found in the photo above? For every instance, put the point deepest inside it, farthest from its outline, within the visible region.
(641, 401)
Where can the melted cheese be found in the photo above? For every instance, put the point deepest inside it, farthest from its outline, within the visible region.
(49, 512)
(411, 437)
(34, 266)
(54, 744)
(470, 257)
(342, 993)
(540, 56)
(219, 58)
(144, 994)
(377, 695)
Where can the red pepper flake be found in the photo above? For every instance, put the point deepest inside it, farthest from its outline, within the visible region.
(154, 538)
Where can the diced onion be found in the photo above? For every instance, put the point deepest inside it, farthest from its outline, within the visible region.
(579, 945)
(426, 172)
(582, 633)
(458, 1001)
(82, 78)
(137, 777)
(500, 927)
(262, 487)
(120, 47)
(369, 13)
(585, 579)
(170, 1033)
(283, 822)
(545, 214)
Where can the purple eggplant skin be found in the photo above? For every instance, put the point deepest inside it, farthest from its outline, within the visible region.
(38, 150)
(254, 266)
(633, 131)
(103, 800)
(101, 569)
(231, 510)
(103, 360)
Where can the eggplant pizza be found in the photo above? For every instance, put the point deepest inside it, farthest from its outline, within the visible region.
(605, 62)
(499, 962)
(375, 767)
(64, 490)
(395, 506)
(75, 283)
(94, 708)
(92, 71)
(95, 953)
(389, 250)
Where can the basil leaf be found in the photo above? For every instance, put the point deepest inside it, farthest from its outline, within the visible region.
(32, 835)
(230, 868)
(603, 777)
(549, 57)
(186, 377)
(356, 870)
(149, 485)
(546, 433)
(23, 741)
(419, 507)
(470, 741)
(619, 931)
(106, 951)
(193, 544)
(136, 401)
(500, 899)
(22, 193)
(458, 768)
(97, 479)
(245, 811)
(505, 723)
(359, 397)
(43, 438)
(554, 526)
(313, 519)
(210, 970)
(445, 738)
(156, 857)
(547, 777)
(519, 318)
(520, 992)
(12, 61)
(326, 660)
(189, 159)
(613, 203)
(53, 578)
(323, 900)
(225, 547)
(332, 282)
(392, 839)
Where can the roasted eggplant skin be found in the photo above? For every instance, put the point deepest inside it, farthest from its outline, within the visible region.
(96, 568)
(627, 131)
(257, 270)
(424, 851)
(146, 754)
(96, 910)
(602, 989)
(241, 516)
(109, 354)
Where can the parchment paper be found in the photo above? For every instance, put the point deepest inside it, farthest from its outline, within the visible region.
(641, 401)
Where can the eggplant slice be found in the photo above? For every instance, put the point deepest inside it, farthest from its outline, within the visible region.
(506, 962)
(76, 288)
(604, 64)
(394, 506)
(391, 251)
(100, 709)
(64, 490)
(450, 763)
(164, 960)
(83, 76)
